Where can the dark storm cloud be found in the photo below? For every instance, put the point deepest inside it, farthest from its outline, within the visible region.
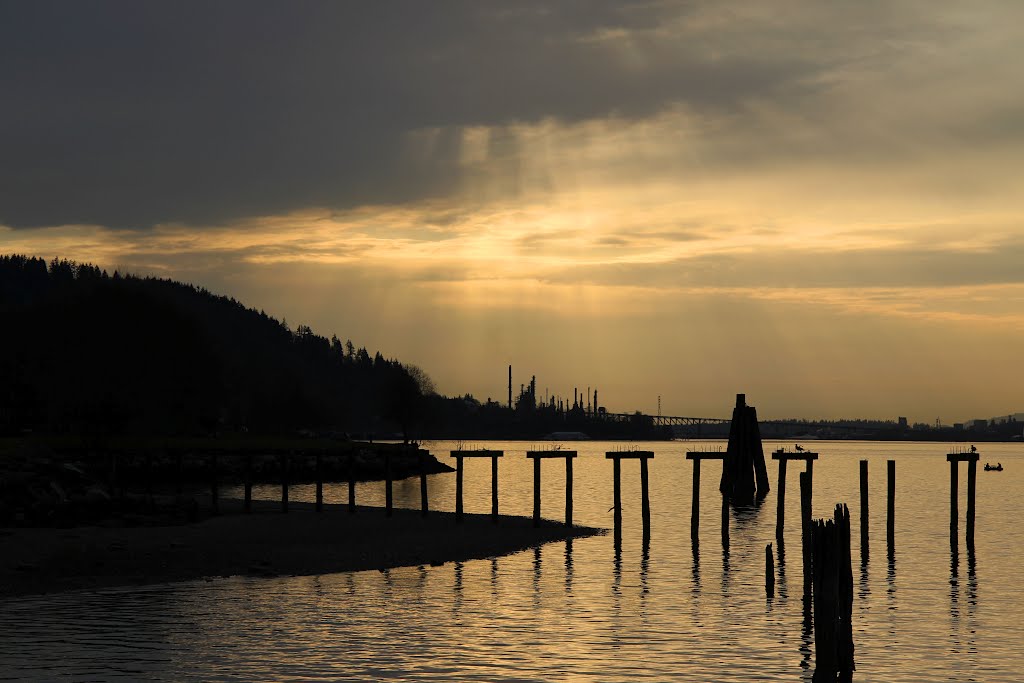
(128, 114)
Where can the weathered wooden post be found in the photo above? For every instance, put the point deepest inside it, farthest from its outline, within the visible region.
(645, 500)
(494, 488)
(780, 508)
(864, 510)
(424, 504)
(284, 481)
(247, 476)
(972, 480)
(695, 502)
(617, 498)
(214, 491)
(568, 488)
(351, 483)
(536, 491)
(954, 511)
(769, 571)
(833, 598)
(805, 526)
(696, 457)
(388, 495)
(537, 456)
(319, 483)
(458, 487)
(890, 513)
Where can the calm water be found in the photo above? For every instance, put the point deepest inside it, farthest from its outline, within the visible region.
(579, 611)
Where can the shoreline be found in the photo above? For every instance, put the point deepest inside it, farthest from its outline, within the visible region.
(267, 543)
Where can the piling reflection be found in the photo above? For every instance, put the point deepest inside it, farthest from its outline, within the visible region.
(781, 569)
(645, 562)
(806, 637)
(536, 575)
(695, 546)
(568, 566)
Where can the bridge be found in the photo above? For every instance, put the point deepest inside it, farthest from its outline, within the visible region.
(692, 426)
(665, 420)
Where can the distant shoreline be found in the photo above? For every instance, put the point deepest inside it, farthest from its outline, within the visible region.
(265, 543)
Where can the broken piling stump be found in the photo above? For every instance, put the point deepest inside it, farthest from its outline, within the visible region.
(833, 598)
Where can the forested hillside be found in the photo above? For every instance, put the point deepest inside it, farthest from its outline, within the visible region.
(84, 351)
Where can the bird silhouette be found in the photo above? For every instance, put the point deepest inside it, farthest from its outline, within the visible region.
(798, 447)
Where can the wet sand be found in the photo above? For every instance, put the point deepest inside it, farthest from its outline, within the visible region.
(264, 543)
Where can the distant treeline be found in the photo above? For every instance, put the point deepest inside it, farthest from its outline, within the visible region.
(83, 351)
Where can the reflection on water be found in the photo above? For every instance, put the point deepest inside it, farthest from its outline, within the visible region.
(563, 612)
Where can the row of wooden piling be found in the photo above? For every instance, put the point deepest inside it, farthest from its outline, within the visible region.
(806, 488)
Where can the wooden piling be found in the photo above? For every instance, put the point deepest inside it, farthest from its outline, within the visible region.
(769, 571)
(319, 484)
(214, 491)
(832, 598)
(458, 489)
(388, 495)
(805, 526)
(536, 492)
(890, 513)
(494, 489)
(864, 509)
(645, 500)
(695, 503)
(568, 489)
(284, 482)
(954, 511)
(696, 457)
(247, 475)
(972, 480)
(424, 505)
(617, 497)
(351, 484)
(780, 508)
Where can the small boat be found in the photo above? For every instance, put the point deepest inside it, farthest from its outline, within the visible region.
(998, 467)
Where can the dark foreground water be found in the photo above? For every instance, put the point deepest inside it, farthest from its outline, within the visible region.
(579, 611)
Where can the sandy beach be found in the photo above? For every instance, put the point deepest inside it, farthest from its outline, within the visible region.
(264, 543)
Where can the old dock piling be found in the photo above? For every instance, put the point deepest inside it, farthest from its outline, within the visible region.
(284, 482)
(247, 506)
(805, 527)
(864, 511)
(351, 483)
(744, 475)
(954, 459)
(482, 453)
(890, 512)
(319, 484)
(537, 456)
(696, 457)
(833, 598)
(424, 503)
(784, 456)
(389, 501)
(616, 457)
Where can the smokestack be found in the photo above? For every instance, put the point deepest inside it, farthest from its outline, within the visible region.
(510, 386)
(595, 401)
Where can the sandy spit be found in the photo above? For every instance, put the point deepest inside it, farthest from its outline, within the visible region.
(264, 543)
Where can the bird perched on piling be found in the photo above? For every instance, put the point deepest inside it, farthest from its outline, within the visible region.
(798, 447)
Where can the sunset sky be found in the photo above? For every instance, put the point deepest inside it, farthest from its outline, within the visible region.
(817, 203)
